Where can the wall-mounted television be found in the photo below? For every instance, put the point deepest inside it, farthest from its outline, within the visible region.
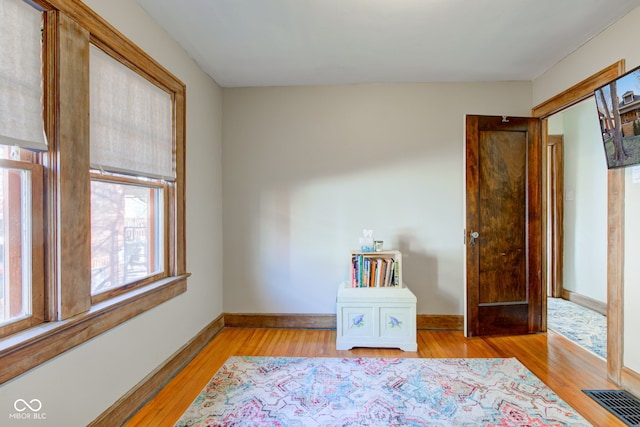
(619, 113)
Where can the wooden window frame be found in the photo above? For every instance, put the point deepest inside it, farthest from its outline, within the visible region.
(70, 315)
(166, 271)
(37, 253)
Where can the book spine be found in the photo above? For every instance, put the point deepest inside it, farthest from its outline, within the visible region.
(379, 268)
(365, 275)
(396, 275)
(354, 271)
(388, 263)
(372, 276)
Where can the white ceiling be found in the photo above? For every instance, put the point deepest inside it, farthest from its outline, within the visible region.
(308, 42)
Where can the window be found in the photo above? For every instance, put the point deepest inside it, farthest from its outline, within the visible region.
(132, 156)
(21, 196)
(92, 214)
(21, 273)
(127, 239)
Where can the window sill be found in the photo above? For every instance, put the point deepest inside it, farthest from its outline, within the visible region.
(25, 350)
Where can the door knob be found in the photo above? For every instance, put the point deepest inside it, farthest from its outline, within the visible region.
(472, 237)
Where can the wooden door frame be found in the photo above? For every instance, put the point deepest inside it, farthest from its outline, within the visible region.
(615, 214)
(555, 200)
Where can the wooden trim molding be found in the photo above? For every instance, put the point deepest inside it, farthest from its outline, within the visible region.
(555, 213)
(104, 34)
(440, 322)
(615, 274)
(545, 243)
(284, 321)
(631, 381)
(23, 351)
(584, 301)
(328, 321)
(73, 222)
(146, 389)
(579, 91)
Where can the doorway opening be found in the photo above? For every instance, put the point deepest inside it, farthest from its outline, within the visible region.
(577, 227)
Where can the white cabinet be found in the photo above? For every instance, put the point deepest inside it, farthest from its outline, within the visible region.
(376, 316)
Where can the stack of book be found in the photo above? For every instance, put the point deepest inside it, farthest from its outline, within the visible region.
(373, 271)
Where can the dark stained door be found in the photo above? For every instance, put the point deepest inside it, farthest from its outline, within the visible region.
(503, 226)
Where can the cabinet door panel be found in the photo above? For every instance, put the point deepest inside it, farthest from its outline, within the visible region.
(395, 322)
(358, 321)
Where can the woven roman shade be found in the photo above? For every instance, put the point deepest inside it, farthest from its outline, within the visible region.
(21, 83)
(131, 121)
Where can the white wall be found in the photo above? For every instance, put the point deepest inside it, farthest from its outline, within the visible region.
(79, 385)
(307, 168)
(617, 42)
(585, 201)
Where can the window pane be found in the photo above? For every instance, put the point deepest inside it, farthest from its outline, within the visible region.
(15, 245)
(126, 234)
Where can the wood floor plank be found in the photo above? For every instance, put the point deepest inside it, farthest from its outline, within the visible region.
(563, 366)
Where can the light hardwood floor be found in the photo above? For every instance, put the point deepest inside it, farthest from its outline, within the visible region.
(566, 368)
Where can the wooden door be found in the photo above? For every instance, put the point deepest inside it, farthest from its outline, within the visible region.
(503, 226)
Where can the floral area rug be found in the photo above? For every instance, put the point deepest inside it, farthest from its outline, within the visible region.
(305, 392)
(585, 327)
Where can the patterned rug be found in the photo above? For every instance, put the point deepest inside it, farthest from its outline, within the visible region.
(585, 327)
(276, 391)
